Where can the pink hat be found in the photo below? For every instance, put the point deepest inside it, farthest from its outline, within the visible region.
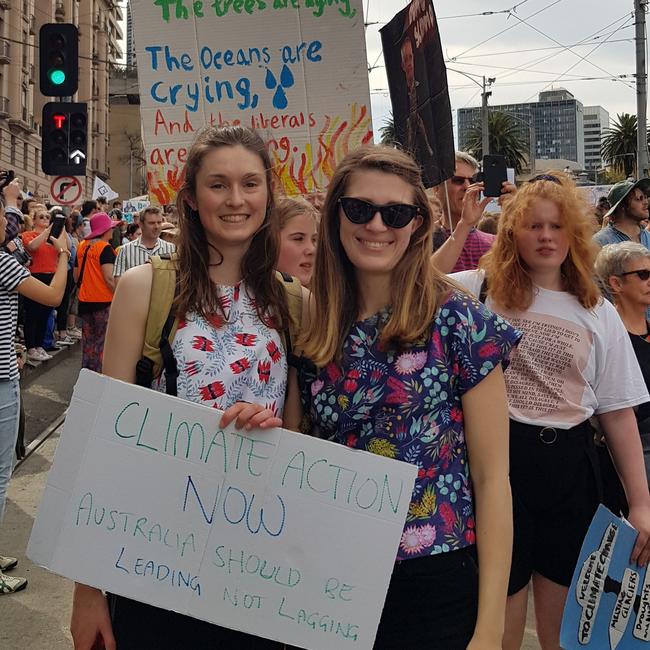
(99, 224)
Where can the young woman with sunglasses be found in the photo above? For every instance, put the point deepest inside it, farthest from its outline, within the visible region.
(227, 251)
(404, 365)
(575, 360)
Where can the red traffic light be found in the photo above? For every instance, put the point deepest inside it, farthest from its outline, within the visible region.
(58, 120)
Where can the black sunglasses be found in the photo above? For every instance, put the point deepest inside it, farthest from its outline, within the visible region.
(394, 215)
(546, 177)
(460, 180)
(643, 274)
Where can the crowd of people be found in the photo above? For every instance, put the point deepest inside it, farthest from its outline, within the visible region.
(510, 365)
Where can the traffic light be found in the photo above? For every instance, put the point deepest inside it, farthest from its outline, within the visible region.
(64, 137)
(59, 59)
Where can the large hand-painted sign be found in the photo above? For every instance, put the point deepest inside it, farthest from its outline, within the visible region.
(295, 70)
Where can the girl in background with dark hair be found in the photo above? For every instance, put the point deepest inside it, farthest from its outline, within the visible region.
(575, 360)
(227, 251)
(407, 366)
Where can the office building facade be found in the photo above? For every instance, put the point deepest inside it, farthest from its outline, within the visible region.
(596, 120)
(557, 120)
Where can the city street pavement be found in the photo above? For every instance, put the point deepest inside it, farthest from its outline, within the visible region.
(38, 617)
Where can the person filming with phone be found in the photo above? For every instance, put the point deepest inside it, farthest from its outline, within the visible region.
(459, 245)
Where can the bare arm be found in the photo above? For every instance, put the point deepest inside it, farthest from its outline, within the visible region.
(107, 272)
(38, 240)
(122, 351)
(51, 294)
(445, 258)
(485, 414)
(623, 440)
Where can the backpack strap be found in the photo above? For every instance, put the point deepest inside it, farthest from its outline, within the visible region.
(161, 326)
(293, 289)
(482, 294)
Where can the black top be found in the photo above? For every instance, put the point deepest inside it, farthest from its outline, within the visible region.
(641, 345)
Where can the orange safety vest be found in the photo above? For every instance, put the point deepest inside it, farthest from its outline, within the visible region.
(93, 286)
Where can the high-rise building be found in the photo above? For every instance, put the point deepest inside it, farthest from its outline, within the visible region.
(557, 121)
(130, 41)
(20, 101)
(596, 120)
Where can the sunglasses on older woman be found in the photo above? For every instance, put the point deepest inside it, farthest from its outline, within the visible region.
(643, 274)
(394, 215)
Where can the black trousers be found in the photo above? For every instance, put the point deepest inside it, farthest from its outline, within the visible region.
(432, 603)
(36, 316)
(137, 626)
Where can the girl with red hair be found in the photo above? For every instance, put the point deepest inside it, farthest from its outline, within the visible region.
(575, 360)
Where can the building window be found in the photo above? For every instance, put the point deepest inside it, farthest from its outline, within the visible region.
(25, 155)
(25, 49)
(13, 150)
(36, 154)
(23, 93)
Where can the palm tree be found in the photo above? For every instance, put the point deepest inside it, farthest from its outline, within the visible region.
(505, 139)
(618, 147)
(388, 132)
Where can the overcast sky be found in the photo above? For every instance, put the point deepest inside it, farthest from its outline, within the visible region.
(600, 32)
(604, 27)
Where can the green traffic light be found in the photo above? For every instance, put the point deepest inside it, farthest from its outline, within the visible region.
(57, 77)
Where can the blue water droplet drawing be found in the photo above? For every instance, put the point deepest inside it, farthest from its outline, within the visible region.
(279, 98)
(286, 77)
(270, 79)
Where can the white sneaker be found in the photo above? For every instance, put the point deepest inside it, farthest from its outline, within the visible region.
(33, 354)
(44, 355)
(11, 584)
(74, 332)
(65, 341)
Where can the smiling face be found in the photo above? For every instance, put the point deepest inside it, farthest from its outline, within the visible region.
(231, 195)
(297, 247)
(373, 248)
(541, 239)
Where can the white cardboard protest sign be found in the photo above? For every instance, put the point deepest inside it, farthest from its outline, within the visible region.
(270, 532)
(295, 70)
(133, 205)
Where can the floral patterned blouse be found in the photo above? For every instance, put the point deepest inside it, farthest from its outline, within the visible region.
(407, 405)
(240, 359)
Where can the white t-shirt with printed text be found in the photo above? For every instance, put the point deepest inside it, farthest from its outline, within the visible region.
(571, 363)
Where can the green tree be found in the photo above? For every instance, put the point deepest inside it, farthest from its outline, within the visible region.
(618, 147)
(388, 133)
(505, 139)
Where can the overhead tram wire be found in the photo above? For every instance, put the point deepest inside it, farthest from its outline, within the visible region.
(580, 57)
(542, 49)
(507, 29)
(512, 10)
(527, 67)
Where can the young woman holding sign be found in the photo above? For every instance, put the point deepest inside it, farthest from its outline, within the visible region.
(575, 360)
(227, 250)
(407, 366)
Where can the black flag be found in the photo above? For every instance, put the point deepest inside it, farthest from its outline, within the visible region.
(417, 79)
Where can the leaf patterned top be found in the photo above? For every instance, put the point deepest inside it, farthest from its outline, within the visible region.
(406, 404)
(240, 359)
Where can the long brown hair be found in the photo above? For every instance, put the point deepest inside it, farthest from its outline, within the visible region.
(196, 290)
(416, 287)
(509, 283)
